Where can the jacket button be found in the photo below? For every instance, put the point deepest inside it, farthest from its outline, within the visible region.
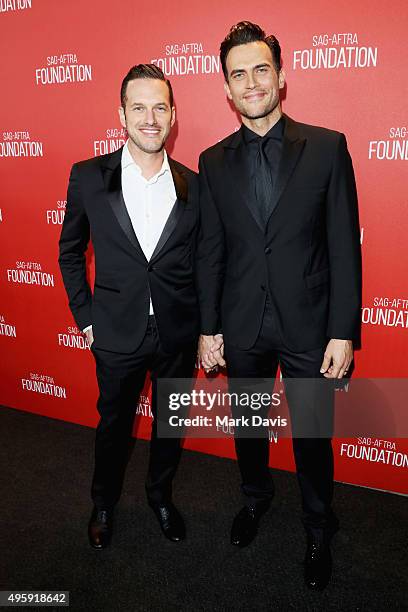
(268, 250)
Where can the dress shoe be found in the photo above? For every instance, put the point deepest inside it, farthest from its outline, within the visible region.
(245, 524)
(318, 562)
(100, 528)
(170, 521)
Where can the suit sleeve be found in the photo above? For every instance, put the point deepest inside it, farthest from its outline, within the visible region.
(210, 263)
(343, 233)
(73, 243)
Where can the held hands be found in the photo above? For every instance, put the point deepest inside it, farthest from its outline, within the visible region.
(337, 358)
(211, 352)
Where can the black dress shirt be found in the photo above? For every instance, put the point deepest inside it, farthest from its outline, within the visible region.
(263, 155)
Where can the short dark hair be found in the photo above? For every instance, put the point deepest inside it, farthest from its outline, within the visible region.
(246, 32)
(144, 71)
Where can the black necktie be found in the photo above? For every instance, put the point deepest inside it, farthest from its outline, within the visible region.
(263, 182)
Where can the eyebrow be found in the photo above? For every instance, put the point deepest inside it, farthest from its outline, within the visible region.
(142, 104)
(263, 65)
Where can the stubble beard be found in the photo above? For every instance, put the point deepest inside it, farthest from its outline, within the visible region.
(153, 148)
(260, 115)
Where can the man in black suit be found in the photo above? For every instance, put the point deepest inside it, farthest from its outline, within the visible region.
(140, 208)
(279, 273)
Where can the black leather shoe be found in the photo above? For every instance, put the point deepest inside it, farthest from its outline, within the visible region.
(100, 528)
(245, 524)
(318, 562)
(170, 521)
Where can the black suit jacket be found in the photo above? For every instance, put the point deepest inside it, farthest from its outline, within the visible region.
(118, 308)
(308, 257)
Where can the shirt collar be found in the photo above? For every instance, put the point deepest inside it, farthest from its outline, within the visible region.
(127, 160)
(276, 132)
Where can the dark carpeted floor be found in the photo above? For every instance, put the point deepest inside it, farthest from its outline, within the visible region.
(46, 467)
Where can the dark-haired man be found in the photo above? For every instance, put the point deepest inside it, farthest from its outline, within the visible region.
(279, 272)
(141, 209)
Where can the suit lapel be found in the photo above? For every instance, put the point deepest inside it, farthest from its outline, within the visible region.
(238, 166)
(292, 148)
(181, 186)
(112, 176)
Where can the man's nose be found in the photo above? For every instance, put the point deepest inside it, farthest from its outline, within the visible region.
(150, 118)
(251, 81)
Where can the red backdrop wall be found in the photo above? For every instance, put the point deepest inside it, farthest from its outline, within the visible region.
(61, 68)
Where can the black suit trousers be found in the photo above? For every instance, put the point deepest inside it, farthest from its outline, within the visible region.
(313, 455)
(121, 379)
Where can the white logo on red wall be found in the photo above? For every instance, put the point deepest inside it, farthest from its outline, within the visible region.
(14, 5)
(6, 329)
(333, 52)
(19, 144)
(144, 407)
(187, 58)
(376, 451)
(114, 139)
(386, 311)
(227, 429)
(29, 273)
(62, 69)
(395, 146)
(73, 338)
(55, 216)
(43, 385)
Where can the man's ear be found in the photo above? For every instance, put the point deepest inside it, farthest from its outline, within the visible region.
(173, 116)
(227, 90)
(122, 117)
(282, 78)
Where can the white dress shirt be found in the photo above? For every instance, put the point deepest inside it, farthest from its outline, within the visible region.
(148, 202)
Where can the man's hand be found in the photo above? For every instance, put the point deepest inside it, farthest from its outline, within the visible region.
(337, 358)
(211, 352)
(89, 336)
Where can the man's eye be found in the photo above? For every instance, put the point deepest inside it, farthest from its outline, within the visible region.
(161, 108)
(238, 75)
(137, 108)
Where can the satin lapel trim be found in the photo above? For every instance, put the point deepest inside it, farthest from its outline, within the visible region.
(113, 184)
(169, 227)
(241, 180)
(181, 187)
(180, 181)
